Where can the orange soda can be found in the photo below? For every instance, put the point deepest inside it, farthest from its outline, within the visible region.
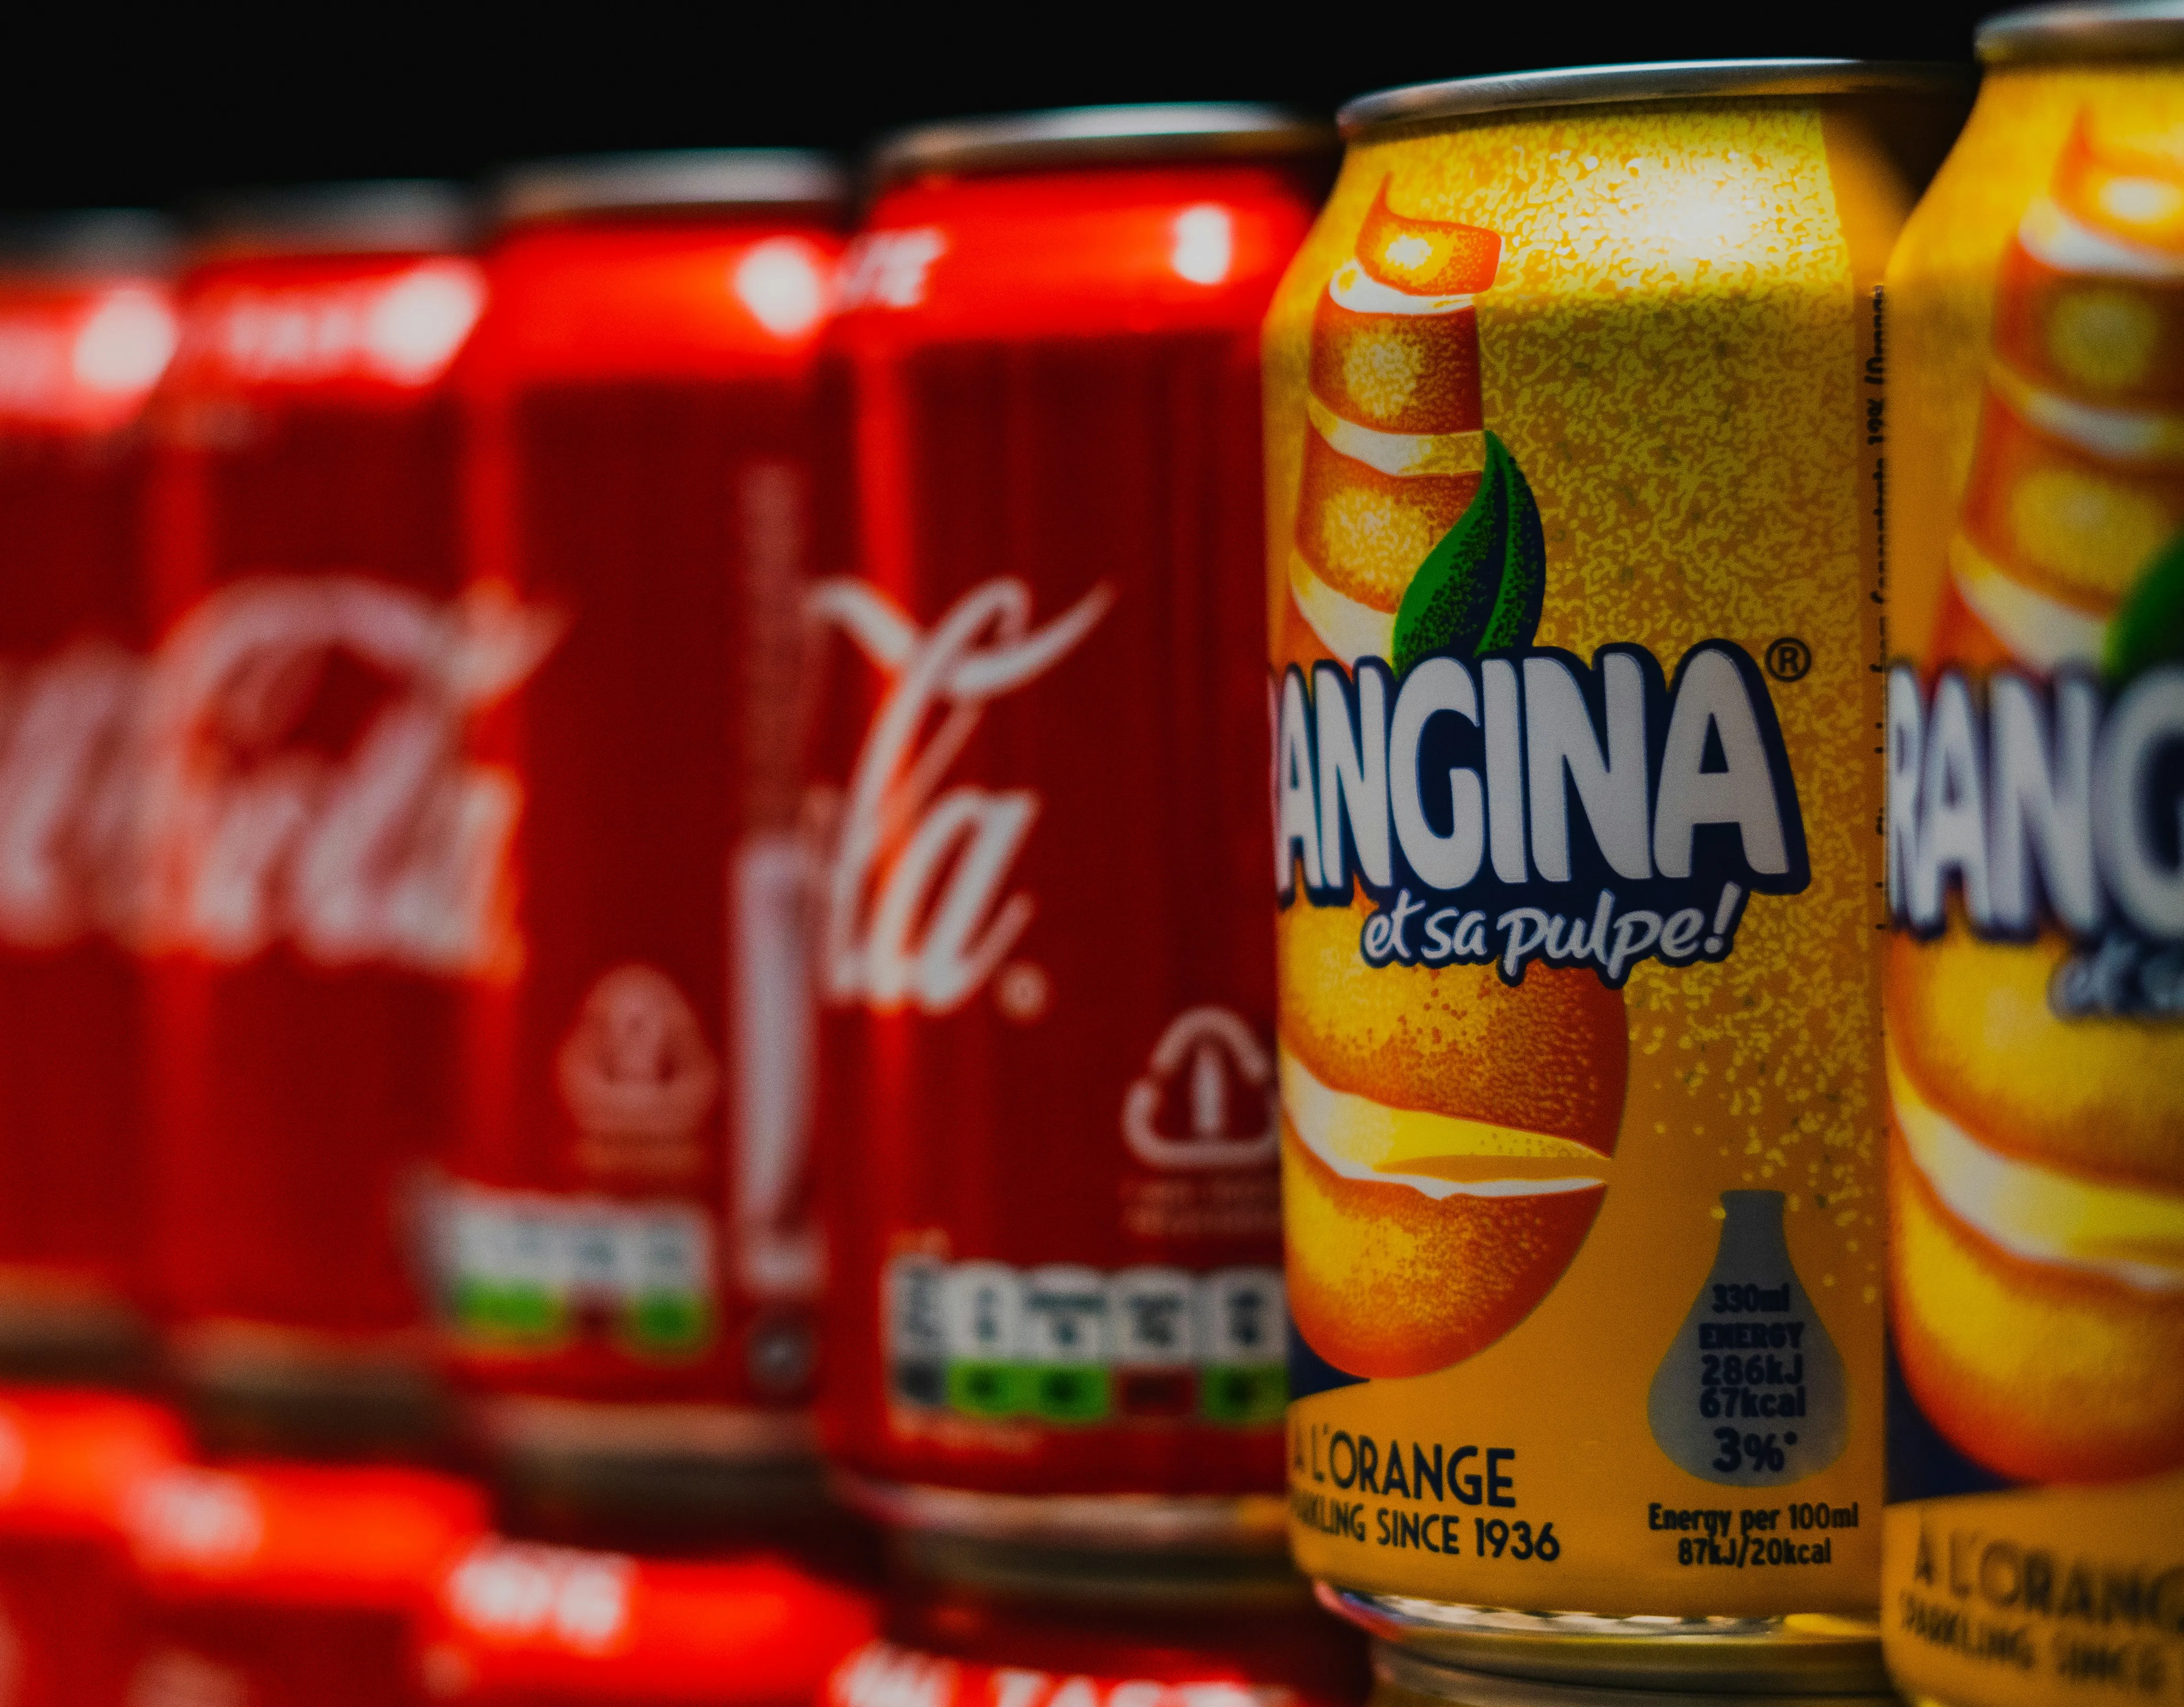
(2035, 986)
(1572, 427)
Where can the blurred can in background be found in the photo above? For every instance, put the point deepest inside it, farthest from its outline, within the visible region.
(72, 1462)
(286, 1584)
(326, 865)
(1045, 1106)
(517, 1625)
(2034, 1549)
(627, 1262)
(1146, 1642)
(87, 327)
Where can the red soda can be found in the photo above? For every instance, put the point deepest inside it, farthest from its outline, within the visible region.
(1046, 1102)
(626, 1264)
(326, 863)
(71, 1463)
(291, 1585)
(87, 327)
(960, 1646)
(518, 1625)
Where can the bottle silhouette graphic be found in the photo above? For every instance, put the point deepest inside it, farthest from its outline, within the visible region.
(1751, 1393)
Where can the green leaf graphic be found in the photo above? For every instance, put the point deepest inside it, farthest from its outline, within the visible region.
(2149, 629)
(1479, 589)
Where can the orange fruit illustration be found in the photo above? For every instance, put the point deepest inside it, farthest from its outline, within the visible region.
(1445, 1135)
(2037, 1212)
(1443, 1139)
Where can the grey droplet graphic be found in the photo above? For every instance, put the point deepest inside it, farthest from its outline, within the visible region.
(1751, 1393)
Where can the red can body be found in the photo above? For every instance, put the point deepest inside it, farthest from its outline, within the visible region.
(282, 1586)
(629, 1215)
(326, 860)
(78, 356)
(954, 1647)
(523, 1625)
(1044, 1099)
(71, 1462)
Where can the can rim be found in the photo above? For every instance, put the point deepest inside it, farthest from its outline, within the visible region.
(1473, 1687)
(1119, 1522)
(534, 1425)
(1826, 1654)
(669, 180)
(363, 216)
(2084, 29)
(1583, 86)
(1064, 1569)
(1091, 136)
(90, 243)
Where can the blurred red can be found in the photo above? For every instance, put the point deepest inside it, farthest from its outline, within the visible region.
(625, 1250)
(327, 864)
(87, 327)
(522, 1626)
(71, 1462)
(958, 1646)
(1046, 1102)
(286, 1586)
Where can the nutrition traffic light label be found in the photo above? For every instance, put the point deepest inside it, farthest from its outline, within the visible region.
(1075, 1345)
(540, 1270)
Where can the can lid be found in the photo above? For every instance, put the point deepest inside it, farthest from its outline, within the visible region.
(2084, 29)
(683, 178)
(89, 242)
(384, 215)
(1094, 135)
(1587, 85)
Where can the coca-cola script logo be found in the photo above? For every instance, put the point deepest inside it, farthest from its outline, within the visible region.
(289, 766)
(304, 776)
(913, 913)
(68, 793)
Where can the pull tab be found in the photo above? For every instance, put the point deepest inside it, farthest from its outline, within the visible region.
(1751, 1393)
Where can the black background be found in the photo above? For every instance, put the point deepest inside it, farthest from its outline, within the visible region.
(107, 107)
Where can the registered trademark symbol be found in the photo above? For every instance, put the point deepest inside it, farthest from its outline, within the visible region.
(1788, 659)
(1022, 991)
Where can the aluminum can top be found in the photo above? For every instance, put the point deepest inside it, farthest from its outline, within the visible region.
(2116, 29)
(1668, 80)
(519, 1622)
(1070, 136)
(683, 180)
(706, 291)
(88, 243)
(373, 216)
(297, 1535)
